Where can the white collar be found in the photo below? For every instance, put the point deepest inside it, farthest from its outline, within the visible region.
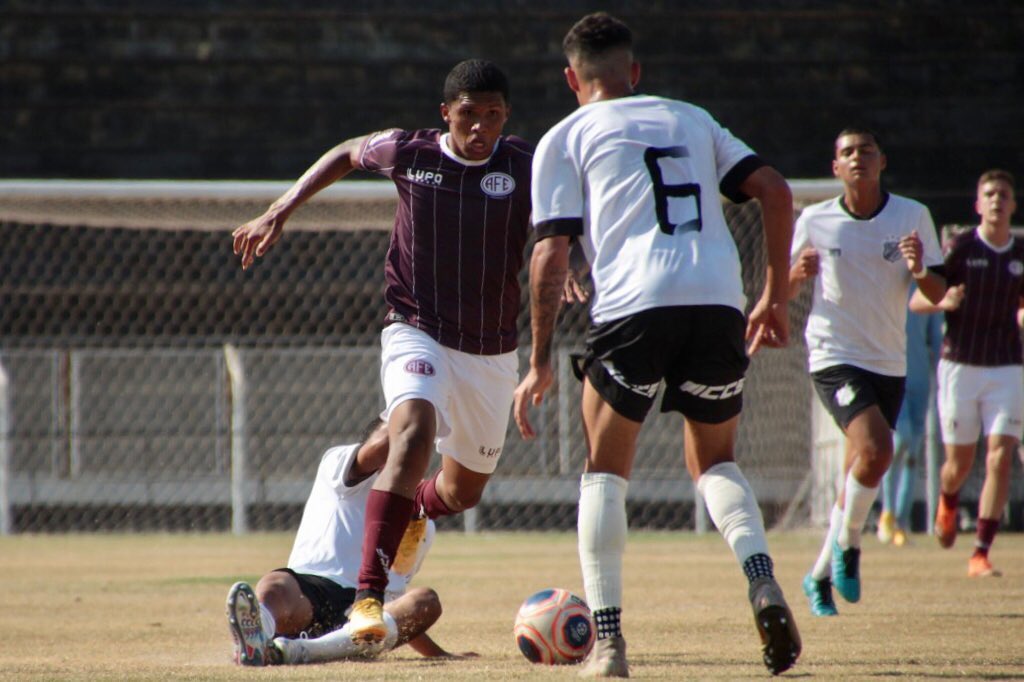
(450, 153)
(998, 249)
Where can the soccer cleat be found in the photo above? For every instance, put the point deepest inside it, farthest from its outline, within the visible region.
(945, 524)
(606, 659)
(408, 548)
(886, 527)
(899, 538)
(275, 652)
(846, 572)
(243, 611)
(980, 567)
(366, 621)
(775, 624)
(819, 592)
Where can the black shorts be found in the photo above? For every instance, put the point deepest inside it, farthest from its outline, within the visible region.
(330, 601)
(697, 350)
(846, 391)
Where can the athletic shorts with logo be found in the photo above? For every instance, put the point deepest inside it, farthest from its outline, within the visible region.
(472, 394)
(697, 350)
(976, 400)
(846, 391)
(330, 601)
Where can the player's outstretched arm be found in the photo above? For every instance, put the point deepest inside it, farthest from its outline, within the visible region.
(425, 646)
(548, 267)
(253, 239)
(769, 320)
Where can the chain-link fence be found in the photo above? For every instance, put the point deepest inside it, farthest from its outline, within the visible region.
(151, 384)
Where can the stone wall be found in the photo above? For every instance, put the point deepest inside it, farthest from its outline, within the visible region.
(247, 89)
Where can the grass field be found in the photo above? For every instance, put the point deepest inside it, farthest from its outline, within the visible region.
(151, 607)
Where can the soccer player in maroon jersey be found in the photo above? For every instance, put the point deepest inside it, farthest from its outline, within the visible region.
(981, 378)
(448, 365)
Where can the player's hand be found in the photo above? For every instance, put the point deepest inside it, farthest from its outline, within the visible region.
(768, 324)
(253, 239)
(574, 291)
(807, 265)
(913, 252)
(530, 392)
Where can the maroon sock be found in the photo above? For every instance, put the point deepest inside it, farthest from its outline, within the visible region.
(986, 535)
(429, 501)
(387, 517)
(950, 500)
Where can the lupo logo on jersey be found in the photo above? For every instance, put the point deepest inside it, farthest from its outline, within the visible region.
(498, 184)
(421, 367)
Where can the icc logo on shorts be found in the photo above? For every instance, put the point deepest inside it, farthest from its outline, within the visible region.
(498, 184)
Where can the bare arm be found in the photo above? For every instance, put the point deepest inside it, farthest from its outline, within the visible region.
(769, 320)
(806, 267)
(425, 646)
(548, 267)
(949, 302)
(253, 239)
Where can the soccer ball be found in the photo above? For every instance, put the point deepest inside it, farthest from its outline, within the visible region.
(554, 627)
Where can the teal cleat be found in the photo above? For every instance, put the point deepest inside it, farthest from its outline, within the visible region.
(819, 592)
(846, 572)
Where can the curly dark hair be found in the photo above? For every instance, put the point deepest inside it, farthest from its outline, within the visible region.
(475, 75)
(596, 34)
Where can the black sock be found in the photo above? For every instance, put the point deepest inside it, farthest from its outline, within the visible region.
(607, 621)
(758, 566)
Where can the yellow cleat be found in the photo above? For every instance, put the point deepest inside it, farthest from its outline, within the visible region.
(886, 527)
(366, 622)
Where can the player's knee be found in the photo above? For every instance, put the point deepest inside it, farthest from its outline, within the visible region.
(1000, 459)
(459, 500)
(427, 603)
(278, 591)
(411, 440)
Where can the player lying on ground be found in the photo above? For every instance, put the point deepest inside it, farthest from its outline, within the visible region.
(313, 595)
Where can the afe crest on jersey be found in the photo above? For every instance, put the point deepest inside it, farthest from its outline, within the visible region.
(498, 184)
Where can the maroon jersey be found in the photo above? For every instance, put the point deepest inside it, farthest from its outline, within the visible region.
(452, 268)
(983, 330)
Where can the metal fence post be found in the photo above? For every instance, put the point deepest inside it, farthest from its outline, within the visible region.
(6, 525)
(236, 377)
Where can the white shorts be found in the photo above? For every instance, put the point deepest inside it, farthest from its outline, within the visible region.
(980, 400)
(472, 394)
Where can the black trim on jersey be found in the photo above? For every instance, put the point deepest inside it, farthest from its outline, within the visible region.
(939, 270)
(559, 227)
(881, 207)
(744, 168)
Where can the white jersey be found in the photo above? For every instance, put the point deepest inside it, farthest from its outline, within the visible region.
(859, 311)
(643, 174)
(329, 542)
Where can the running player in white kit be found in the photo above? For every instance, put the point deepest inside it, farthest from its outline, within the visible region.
(637, 179)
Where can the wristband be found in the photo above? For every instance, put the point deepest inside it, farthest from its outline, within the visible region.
(920, 275)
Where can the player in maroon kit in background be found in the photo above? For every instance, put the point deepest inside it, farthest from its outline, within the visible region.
(448, 365)
(981, 378)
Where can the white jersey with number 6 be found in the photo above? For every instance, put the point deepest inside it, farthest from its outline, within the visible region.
(643, 174)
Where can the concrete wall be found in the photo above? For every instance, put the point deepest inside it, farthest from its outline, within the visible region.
(258, 89)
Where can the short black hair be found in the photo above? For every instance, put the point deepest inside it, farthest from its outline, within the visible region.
(595, 35)
(370, 429)
(860, 130)
(475, 75)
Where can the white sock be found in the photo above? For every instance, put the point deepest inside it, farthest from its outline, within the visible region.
(859, 500)
(823, 566)
(268, 622)
(733, 508)
(601, 529)
(338, 645)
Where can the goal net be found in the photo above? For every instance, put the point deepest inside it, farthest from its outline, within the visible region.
(146, 382)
